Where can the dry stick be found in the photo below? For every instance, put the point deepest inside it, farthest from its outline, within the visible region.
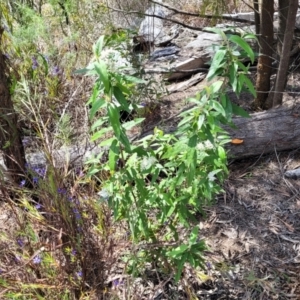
(181, 23)
(182, 12)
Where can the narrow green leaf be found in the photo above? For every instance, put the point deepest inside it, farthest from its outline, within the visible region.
(237, 110)
(124, 140)
(194, 235)
(200, 122)
(128, 125)
(216, 86)
(222, 153)
(193, 141)
(100, 133)
(114, 119)
(98, 46)
(216, 64)
(113, 155)
(178, 251)
(249, 85)
(243, 44)
(218, 31)
(98, 123)
(101, 69)
(180, 266)
(97, 104)
(121, 98)
(218, 107)
(133, 79)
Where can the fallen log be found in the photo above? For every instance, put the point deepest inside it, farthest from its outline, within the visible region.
(276, 129)
(262, 133)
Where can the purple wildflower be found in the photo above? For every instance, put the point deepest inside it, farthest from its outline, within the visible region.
(26, 141)
(38, 206)
(79, 273)
(22, 183)
(40, 171)
(35, 64)
(80, 172)
(55, 71)
(20, 242)
(37, 259)
(35, 180)
(17, 258)
(117, 282)
(77, 214)
(62, 191)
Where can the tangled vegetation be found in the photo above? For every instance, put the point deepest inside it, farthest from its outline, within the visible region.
(135, 202)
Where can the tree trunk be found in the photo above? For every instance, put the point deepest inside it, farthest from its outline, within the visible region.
(282, 17)
(281, 78)
(275, 129)
(256, 17)
(10, 138)
(264, 66)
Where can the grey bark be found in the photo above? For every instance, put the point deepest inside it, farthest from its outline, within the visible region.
(281, 78)
(265, 132)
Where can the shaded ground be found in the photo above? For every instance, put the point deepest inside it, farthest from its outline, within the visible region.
(253, 230)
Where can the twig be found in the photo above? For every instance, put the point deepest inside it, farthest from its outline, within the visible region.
(182, 12)
(181, 23)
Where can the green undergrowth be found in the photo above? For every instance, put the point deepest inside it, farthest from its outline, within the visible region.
(136, 203)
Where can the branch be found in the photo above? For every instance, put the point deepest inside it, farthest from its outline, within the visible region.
(158, 17)
(183, 12)
(177, 11)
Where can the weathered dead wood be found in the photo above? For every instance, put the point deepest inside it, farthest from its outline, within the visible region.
(265, 132)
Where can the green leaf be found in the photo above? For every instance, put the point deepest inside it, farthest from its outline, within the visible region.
(114, 119)
(98, 46)
(113, 155)
(200, 122)
(243, 67)
(237, 110)
(193, 141)
(124, 140)
(100, 133)
(194, 235)
(128, 125)
(180, 266)
(222, 153)
(101, 70)
(178, 251)
(249, 84)
(218, 31)
(244, 45)
(121, 98)
(249, 36)
(218, 107)
(216, 86)
(216, 64)
(98, 123)
(97, 104)
(133, 79)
